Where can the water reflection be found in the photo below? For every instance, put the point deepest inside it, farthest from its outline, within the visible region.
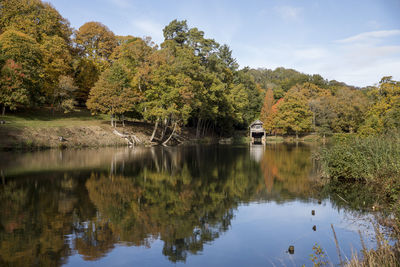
(56, 204)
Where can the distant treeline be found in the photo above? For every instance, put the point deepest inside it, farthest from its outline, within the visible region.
(186, 80)
(297, 103)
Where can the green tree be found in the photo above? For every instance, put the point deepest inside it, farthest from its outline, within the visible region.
(294, 114)
(169, 99)
(112, 93)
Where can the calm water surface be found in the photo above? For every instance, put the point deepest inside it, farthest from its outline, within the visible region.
(192, 205)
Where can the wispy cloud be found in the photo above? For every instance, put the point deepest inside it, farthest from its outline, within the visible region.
(289, 12)
(358, 60)
(369, 36)
(121, 3)
(149, 28)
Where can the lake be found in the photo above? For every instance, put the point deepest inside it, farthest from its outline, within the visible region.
(200, 205)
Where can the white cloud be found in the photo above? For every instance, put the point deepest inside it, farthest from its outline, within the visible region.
(369, 36)
(148, 27)
(289, 12)
(353, 61)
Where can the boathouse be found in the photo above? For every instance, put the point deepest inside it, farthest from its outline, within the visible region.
(257, 132)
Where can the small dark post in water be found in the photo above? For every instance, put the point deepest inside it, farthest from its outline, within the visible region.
(314, 228)
(291, 249)
(319, 201)
(313, 212)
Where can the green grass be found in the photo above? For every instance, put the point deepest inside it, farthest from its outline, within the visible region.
(45, 118)
(274, 139)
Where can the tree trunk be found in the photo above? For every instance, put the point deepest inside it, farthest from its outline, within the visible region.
(204, 128)
(314, 121)
(3, 111)
(198, 128)
(173, 131)
(163, 131)
(112, 122)
(123, 120)
(154, 131)
(297, 136)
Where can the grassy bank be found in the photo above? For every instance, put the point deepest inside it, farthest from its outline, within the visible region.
(42, 128)
(373, 165)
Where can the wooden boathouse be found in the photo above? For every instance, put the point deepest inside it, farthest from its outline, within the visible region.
(257, 132)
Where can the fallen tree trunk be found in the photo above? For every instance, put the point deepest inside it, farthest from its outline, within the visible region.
(131, 139)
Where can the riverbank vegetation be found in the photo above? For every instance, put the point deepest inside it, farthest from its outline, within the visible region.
(370, 160)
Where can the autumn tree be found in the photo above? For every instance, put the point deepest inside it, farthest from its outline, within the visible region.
(12, 91)
(266, 114)
(26, 52)
(349, 107)
(384, 114)
(57, 62)
(96, 42)
(63, 96)
(112, 93)
(34, 18)
(86, 75)
(294, 114)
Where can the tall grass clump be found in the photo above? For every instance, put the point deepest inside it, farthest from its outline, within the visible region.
(369, 159)
(384, 254)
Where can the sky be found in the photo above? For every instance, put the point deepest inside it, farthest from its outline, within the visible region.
(352, 41)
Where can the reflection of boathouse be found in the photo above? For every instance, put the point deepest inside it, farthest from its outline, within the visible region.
(257, 132)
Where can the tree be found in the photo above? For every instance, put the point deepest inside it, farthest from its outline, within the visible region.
(12, 91)
(349, 107)
(266, 115)
(176, 31)
(57, 62)
(25, 51)
(384, 114)
(294, 114)
(86, 75)
(169, 99)
(63, 96)
(112, 93)
(96, 42)
(34, 18)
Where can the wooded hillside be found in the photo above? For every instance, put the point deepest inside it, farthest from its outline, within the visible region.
(188, 79)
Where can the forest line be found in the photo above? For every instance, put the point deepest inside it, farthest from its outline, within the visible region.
(188, 80)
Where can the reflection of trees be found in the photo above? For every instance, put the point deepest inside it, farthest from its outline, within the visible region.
(186, 205)
(184, 196)
(35, 217)
(287, 170)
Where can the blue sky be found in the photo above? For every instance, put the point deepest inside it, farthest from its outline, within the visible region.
(354, 41)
